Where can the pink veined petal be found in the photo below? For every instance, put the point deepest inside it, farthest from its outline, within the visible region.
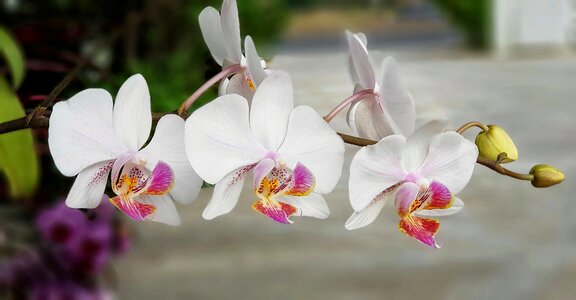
(167, 145)
(226, 193)
(437, 197)
(371, 122)
(457, 206)
(361, 61)
(416, 149)
(397, 101)
(421, 229)
(365, 217)
(231, 30)
(135, 210)
(270, 110)
(274, 210)
(238, 85)
(451, 160)
(253, 62)
(211, 28)
(261, 170)
(312, 205)
(160, 181)
(405, 197)
(218, 138)
(313, 143)
(303, 181)
(81, 132)
(166, 211)
(374, 169)
(132, 114)
(89, 186)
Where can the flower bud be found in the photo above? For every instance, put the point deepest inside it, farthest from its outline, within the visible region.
(545, 176)
(493, 142)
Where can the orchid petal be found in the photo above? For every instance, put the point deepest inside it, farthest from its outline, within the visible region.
(223, 87)
(218, 138)
(237, 85)
(351, 114)
(312, 205)
(366, 216)
(132, 114)
(303, 181)
(165, 209)
(81, 132)
(253, 62)
(362, 38)
(416, 150)
(362, 65)
(270, 110)
(421, 229)
(312, 142)
(375, 169)
(371, 122)
(261, 170)
(397, 101)
(160, 181)
(405, 197)
(89, 186)
(211, 28)
(457, 206)
(438, 197)
(226, 193)
(167, 145)
(276, 211)
(450, 161)
(231, 30)
(136, 210)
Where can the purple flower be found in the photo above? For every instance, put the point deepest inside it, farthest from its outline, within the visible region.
(61, 224)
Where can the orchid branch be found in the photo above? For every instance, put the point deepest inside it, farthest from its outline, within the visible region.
(42, 121)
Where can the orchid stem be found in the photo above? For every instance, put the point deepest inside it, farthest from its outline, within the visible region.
(469, 125)
(233, 69)
(356, 96)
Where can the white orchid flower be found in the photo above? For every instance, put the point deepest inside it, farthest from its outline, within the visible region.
(221, 32)
(379, 106)
(294, 155)
(90, 136)
(422, 173)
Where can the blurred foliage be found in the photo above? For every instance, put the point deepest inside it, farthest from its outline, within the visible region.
(11, 53)
(159, 38)
(472, 17)
(305, 4)
(18, 160)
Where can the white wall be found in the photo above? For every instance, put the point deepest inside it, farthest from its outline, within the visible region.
(532, 22)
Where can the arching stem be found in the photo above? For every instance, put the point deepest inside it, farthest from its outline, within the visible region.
(230, 70)
(469, 125)
(356, 96)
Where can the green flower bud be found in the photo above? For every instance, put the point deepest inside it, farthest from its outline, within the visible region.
(545, 176)
(493, 142)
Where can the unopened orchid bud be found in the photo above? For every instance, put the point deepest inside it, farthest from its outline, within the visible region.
(545, 176)
(495, 141)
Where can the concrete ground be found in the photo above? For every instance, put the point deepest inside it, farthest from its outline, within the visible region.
(511, 241)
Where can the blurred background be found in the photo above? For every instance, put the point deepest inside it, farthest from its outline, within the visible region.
(506, 62)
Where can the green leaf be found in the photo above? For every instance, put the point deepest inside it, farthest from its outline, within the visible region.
(18, 159)
(11, 52)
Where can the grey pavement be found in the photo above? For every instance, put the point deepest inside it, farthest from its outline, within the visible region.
(511, 241)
